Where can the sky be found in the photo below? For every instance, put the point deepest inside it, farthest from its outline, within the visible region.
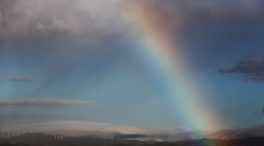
(141, 63)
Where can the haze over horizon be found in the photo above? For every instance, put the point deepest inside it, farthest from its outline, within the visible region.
(136, 64)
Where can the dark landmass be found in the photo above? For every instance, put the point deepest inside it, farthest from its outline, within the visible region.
(57, 140)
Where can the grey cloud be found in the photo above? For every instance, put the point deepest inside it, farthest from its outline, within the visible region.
(30, 20)
(16, 116)
(47, 20)
(44, 102)
(252, 67)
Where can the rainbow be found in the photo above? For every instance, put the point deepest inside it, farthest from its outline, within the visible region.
(158, 48)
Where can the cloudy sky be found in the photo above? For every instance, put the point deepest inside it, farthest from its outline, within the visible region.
(78, 60)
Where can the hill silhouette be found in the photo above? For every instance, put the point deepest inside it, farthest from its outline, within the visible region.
(39, 139)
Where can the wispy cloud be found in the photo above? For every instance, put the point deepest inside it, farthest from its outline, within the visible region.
(252, 67)
(44, 102)
(21, 116)
(21, 79)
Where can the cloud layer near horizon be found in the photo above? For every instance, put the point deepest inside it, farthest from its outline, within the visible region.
(39, 109)
(79, 128)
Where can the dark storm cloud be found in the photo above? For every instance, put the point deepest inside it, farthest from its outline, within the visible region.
(252, 67)
(213, 29)
(195, 19)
